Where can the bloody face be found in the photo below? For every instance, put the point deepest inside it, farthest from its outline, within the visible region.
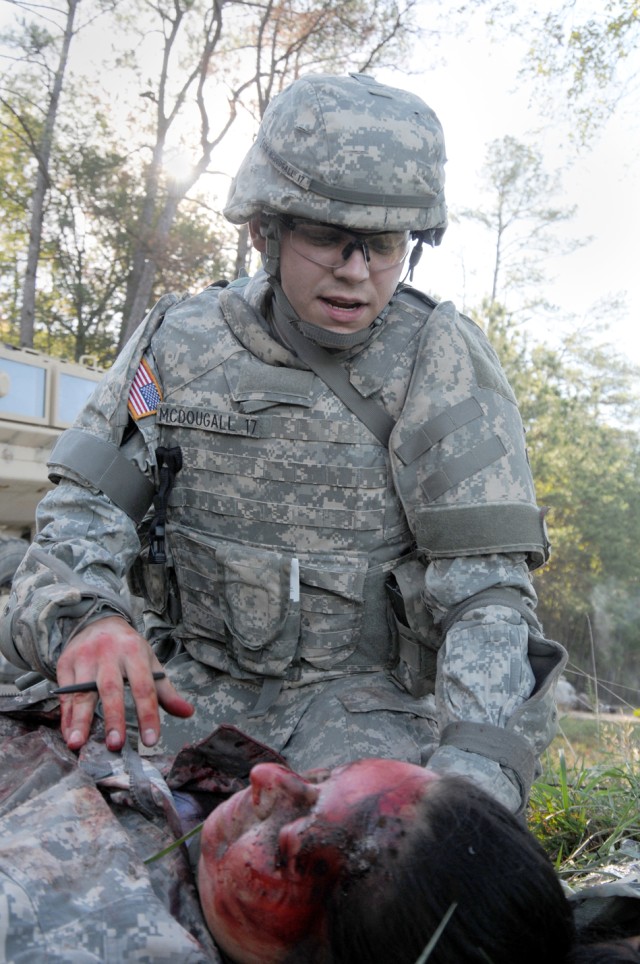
(273, 852)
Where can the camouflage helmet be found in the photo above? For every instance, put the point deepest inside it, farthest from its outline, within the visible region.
(347, 151)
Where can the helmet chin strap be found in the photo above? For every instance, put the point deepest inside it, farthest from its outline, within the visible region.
(270, 229)
(281, 307)
(414, 257)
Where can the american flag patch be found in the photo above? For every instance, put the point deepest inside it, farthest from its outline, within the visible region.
(145, 393)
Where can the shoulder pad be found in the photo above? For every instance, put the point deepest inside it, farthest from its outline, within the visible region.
(239, 283)
(409, 293)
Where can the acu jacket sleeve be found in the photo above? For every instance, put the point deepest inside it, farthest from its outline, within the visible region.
(460, 467)
(87, 526)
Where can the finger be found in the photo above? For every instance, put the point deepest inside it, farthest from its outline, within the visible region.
(163, 693)
(78, 711)
(66, 711)
(111, 690)
(171, 700)
(75, 714)
(145, 697)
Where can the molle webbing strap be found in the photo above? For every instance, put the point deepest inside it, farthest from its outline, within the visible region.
(139, 783)
(446, 531)
(370, 412)
(456, 470)
(269, 693)
(511, 598)
(438, 428)
(103, 465)
(507, 748)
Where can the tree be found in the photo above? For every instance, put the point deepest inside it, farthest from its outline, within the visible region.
(190, 73)
(520, 218)
(162, 195)
(91, 223)
(37, 44)
(591, 52)
(579, 402)
(15, 192)
(586, 52)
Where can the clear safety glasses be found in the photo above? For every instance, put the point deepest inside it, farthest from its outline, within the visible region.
(332, 247)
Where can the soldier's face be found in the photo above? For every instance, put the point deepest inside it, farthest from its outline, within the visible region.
(343, 299)
(272, 853)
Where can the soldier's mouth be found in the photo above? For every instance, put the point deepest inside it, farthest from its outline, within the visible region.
(344, 305)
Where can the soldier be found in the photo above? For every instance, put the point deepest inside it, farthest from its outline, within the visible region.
(344, 522)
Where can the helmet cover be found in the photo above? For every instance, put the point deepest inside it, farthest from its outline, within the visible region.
(347, 151)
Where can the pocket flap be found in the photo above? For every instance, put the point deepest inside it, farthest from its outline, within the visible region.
(254, 593)
(369, 699)
(343, 574)
(255, 385)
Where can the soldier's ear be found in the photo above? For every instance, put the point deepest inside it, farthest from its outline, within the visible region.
(257, 240)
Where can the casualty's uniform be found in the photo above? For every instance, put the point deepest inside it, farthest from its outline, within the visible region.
(76, 835)
(312, 570)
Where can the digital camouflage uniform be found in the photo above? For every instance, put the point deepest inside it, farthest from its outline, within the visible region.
(315, 565)
(75, 835)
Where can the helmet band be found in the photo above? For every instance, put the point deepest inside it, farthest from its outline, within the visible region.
(307, 183)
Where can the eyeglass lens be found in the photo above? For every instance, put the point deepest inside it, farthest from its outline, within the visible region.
(332, 247)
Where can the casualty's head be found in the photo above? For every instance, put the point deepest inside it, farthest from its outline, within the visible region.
(348, 155)
(366, 862)
(273, 855)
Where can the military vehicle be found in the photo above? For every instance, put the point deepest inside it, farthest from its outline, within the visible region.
(39, 397)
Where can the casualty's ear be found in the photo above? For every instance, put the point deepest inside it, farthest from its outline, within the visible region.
(257, 240)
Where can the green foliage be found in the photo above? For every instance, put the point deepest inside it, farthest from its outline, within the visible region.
(90, 229)
(16, 174)
(580, 61)
(584, 815)
(578, 404)
(32, 40)
(586, 52)
(117, 229)
(199, 251)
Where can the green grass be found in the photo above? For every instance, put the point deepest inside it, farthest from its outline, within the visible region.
(586, 805)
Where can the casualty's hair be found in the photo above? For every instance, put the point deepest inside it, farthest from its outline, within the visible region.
(467, 867)
(467, 859)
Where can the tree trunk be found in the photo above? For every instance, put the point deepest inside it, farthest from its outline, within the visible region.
(141, 284)
(28, 307)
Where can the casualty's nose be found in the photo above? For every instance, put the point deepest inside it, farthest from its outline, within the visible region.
(272, 784)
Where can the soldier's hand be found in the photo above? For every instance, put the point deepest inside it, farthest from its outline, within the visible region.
(110, 651)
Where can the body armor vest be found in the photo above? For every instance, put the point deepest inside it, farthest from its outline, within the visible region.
(289, 520)
(283, 523)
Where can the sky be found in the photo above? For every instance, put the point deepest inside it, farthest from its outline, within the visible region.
(478, 98)
(473, 85)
